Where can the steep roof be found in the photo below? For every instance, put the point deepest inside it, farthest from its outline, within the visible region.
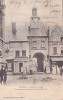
(20, 35)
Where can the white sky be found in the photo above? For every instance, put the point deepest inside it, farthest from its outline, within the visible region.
(20, 10)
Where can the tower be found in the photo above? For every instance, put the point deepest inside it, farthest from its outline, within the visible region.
(35, 16)
(34, 11)
(38, 41)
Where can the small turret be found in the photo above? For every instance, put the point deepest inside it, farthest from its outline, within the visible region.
(34, 11)
(34, 16)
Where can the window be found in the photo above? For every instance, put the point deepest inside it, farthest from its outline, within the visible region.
(17, 54)
(34, 44)
(28, 28)
(29, 56)
(61, 38)
(20, 67)
(62, 52)
(32, 18)
(0, 53)
(12, 66)
(54, 50)
(24, 53)
(38, 18)
(42, 44)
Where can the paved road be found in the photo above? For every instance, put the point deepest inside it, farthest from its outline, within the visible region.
(36, 78)
(35, 87)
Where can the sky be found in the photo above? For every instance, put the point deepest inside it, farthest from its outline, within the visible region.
(20, 11)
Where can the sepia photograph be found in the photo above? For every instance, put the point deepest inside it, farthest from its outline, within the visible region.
(31, 49)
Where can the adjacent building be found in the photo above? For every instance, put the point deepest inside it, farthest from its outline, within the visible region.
(2, 35)
(35, 46)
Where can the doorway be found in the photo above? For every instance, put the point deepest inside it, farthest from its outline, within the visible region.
(20, 66)
(40, 61)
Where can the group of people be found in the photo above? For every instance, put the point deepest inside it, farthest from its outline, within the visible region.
(3, 74)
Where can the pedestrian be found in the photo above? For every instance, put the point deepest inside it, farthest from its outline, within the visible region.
(24, 73)
(60, 71)
(5, 75)
(6, 67)
(45, 70)
(1, 73)
(51, 70)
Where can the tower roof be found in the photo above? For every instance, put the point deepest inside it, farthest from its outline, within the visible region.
(34, 11)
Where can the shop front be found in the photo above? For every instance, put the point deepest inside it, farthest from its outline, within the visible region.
(57, 63)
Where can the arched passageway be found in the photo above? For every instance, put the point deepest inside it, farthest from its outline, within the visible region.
(40, 61)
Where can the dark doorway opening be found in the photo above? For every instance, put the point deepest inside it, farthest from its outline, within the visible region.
(40, 61)
(20, 66)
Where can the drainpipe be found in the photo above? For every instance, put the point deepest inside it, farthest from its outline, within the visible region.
(48, 45)
(48, 39)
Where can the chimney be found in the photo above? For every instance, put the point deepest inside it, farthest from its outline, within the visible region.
(14, 28)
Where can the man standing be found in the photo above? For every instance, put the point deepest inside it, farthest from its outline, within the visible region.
(5, 75)
(51, 69)
(1, 73)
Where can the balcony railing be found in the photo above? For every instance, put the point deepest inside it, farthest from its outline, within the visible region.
(56, 54)
(21, 59)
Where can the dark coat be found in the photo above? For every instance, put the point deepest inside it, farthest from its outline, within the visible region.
(1, 74)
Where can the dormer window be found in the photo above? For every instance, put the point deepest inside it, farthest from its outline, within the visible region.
(17, 54)
(54, 50)
(34, 44)
(42, 44)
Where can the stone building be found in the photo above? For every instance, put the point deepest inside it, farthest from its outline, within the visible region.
(56, 47)
(17, 50)
(35, 46)
(2, 35)
(38, 41)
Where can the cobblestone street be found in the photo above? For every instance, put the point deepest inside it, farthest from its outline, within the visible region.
(35, 79)
(48, 87)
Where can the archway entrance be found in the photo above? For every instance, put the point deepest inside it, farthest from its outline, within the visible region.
(40, 61)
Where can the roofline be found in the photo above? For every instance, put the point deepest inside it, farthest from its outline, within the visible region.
(56, 56)
(16, 41)
(2, 39)
(37, 36)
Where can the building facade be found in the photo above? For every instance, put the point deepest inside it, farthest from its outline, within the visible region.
(18, 56)
(38, 41)
(2, 35)
(42, 48)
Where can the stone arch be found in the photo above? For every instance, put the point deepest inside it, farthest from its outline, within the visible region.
(40, 61)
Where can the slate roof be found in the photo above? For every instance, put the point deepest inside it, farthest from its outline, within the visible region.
(22, 32)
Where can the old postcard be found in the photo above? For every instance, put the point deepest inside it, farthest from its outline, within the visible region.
(31, 49)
